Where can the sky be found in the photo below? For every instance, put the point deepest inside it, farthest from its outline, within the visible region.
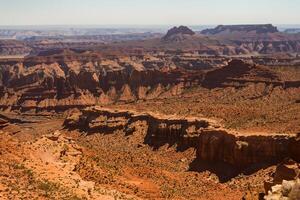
(148, 12)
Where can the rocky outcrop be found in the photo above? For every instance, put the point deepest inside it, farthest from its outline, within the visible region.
(212, 143)
(239, 73)
(285, 183)
(177, 33)
(289, 190)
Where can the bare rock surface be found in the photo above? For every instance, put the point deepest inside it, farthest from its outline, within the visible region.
(285, 183)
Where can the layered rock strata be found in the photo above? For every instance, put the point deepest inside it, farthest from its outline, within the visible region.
(59, 85)
(60, 82)
(211, 142)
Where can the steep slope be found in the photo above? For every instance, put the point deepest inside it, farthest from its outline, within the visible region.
(212, 142)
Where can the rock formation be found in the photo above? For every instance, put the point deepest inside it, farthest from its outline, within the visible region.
(176, 33)
(212, 143)
(60, 82)
(285, 183)
(289, 190)
(257, 28)
(222, 40)
(262, 39)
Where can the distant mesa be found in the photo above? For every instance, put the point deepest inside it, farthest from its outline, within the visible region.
(292, 30)
(258, 28)
(178, 31)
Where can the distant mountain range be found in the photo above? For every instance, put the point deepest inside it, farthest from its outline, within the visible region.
(220, 40)
(226, 40)
(25, 32)
(21, 34)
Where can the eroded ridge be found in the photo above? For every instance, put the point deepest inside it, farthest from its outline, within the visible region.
(211, 141)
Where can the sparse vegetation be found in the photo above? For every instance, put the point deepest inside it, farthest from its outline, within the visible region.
(48, 187)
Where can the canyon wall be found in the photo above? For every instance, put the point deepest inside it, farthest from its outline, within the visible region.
(211, 142)
(61, 85)
(60, 82)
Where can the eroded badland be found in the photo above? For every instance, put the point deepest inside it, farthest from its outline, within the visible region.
(186, 115)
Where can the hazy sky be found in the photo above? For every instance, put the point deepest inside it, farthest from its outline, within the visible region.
(148, 12)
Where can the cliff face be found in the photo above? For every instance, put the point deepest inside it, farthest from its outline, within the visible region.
(62, 85)
(243, 151)
(211, 142)
(49, 84)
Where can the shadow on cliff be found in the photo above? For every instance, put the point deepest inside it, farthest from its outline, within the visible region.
(156, 145)
(224, 171)
(15, 120)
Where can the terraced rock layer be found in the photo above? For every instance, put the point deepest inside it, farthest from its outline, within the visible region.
(60, 85)
(60, 82)
(212, 142)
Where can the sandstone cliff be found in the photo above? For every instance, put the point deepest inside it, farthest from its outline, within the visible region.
(212, 143)
(62, 85)
(61, 80)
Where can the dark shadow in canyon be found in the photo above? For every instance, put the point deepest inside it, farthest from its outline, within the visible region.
(224, 171)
